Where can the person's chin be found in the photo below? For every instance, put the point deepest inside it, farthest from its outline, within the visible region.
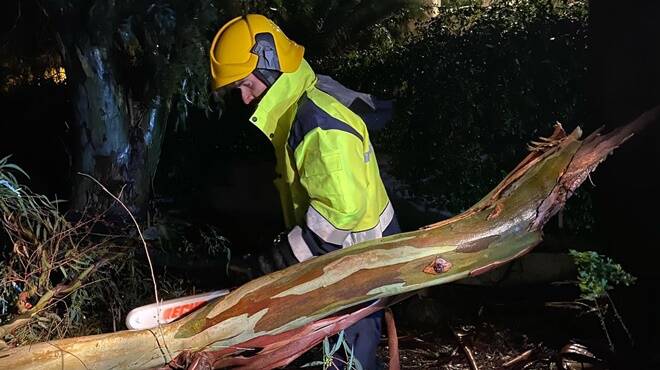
(255, 102)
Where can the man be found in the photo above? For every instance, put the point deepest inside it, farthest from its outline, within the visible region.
(330, 189)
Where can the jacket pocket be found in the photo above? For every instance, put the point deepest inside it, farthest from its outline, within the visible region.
(321, 164)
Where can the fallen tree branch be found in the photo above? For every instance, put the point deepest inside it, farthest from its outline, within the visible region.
(278, 313)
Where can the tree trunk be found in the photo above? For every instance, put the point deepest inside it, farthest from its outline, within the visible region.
(119, 141)
(269, 321)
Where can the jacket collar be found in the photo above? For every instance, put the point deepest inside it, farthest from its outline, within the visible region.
(285, 92)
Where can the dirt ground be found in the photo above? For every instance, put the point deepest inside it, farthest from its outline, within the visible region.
(490, 346)
(501, 329)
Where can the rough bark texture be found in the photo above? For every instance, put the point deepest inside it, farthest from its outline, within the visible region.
(285, 312)
(119, 141)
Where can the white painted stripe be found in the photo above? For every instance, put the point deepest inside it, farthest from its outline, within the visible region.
(299, 248)
(323, 228)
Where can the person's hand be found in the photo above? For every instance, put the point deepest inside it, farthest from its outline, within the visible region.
(243, 269)
(276, 257)
(272, 258)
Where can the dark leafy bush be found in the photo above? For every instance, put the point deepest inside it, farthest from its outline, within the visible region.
(597, 274)
(472, 87)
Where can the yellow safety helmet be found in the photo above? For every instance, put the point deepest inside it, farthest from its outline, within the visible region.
(249, 42)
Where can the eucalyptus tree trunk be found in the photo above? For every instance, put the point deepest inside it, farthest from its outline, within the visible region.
(118, 139)
(269, 321)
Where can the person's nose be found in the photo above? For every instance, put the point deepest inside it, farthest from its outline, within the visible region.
(246, 96)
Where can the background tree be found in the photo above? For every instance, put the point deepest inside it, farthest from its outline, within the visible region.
(128, 65)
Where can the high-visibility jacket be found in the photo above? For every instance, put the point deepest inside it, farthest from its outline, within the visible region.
(327, 176)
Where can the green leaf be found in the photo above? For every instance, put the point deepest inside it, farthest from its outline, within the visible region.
(326, 346)
(340, 340)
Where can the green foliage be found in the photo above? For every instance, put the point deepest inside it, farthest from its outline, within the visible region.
(162, 50)
(337, 26)
(330, 355)
(597, 274)
(29, 238)
(472, 86)
(62, 276)
(9, 188)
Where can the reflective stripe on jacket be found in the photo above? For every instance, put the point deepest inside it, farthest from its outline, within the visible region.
(327, 176)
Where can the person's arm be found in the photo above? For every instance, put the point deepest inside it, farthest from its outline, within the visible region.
(333, 171)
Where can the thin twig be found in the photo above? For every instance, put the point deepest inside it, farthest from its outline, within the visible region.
(137, 226)
(574, 305)
(603, 324)
(146, 251)
(63, 351)
(518, 359)
(618, 316)
(460, 337)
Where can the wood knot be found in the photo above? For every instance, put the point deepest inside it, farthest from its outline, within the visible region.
(438, 266)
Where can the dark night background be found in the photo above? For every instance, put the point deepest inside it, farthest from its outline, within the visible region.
(624, 81)
(207, 176)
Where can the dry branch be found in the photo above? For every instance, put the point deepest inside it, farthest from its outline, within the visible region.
(48, 298)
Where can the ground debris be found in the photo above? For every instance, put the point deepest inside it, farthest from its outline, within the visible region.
(492, 347)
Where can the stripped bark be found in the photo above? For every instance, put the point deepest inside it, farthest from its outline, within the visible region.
(279, 315)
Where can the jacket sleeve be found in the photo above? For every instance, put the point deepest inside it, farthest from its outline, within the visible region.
(333, 172)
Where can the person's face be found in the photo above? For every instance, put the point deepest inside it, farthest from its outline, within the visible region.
(251, 88)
